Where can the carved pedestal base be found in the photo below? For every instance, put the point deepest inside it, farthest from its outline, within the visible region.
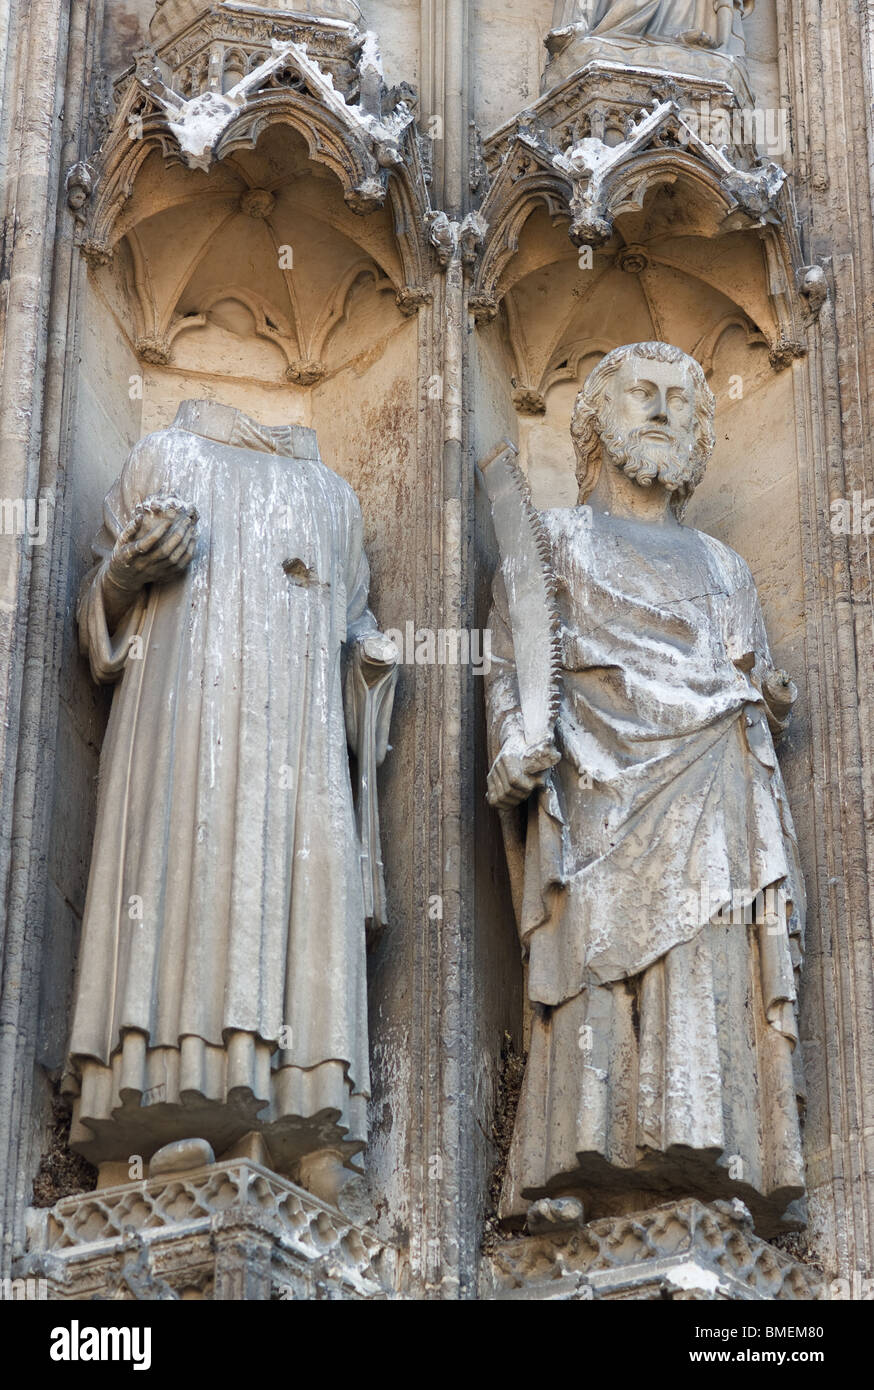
(682, 59)
(232, 1230)
(682, 1250)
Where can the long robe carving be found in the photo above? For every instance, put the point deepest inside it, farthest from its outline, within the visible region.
(222, 982)
(658, 890)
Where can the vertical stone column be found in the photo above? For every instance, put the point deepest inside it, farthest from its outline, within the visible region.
(826, 57)
(46, 79)
(447, 1239)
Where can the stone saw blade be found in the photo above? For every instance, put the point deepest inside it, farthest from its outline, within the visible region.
(526, 566)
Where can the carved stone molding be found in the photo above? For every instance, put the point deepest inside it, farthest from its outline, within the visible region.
(358, 129)
(231, 1230)
(594, 148)
(681, 1250)
(201, 46)
(569, 47)
(528, 401)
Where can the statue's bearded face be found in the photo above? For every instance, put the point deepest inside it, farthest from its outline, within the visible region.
(647, 424)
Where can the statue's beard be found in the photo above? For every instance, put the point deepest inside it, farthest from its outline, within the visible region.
(669, 458)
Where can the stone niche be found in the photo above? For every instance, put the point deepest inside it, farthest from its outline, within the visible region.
(608, 223)
(265, 231)
(289, 286)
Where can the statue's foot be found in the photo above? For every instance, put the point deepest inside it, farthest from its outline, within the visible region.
(553, 1214)
(324, 1174)
(698, 38)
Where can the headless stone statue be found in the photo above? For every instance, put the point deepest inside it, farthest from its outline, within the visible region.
(655, 868)
(221, 987)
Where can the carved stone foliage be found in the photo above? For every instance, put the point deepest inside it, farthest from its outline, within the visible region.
(647, 175)
(683, 1250)
(212, 130)
(232, 1230)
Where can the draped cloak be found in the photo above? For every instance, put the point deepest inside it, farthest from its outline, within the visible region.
(656, 20)
(663, 1033)
(222, 982)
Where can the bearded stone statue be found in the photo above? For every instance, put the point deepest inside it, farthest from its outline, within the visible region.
(655, 869)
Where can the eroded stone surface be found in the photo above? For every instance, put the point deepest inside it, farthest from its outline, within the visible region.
(683, 1250)
(171, 299)
(222, 973)
(232, 1230)
(663, 938)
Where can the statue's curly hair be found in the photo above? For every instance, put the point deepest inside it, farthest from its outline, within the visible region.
(586, 421)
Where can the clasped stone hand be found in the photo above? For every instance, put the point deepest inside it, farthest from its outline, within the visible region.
(517, 771)
(156, 545)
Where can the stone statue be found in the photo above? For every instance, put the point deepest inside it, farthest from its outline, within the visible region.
(221, 988)
(703, 23)
(651, 850)
(649, 32)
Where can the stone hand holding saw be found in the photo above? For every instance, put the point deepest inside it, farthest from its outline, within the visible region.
(530, 584)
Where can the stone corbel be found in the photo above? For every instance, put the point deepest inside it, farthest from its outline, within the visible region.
(484, 307)
(78, 186)
(813, 286)
(784, 352)
(451, 238)
(443, 236)
(412, 298)
(756, 192)
(153, 349)
(527, 401)
(305, 373)
(471, 235)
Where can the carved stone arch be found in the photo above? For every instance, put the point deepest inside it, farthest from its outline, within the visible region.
(410, 206)
(234, 60)
(756, 201)
(707, 346)
(163, 318)
(118, 165)
(736, 202)
(352, 156)
(506, 211)
(328, 142)
(565, 364)
(336, 308)
(284, 336)
(364, 183)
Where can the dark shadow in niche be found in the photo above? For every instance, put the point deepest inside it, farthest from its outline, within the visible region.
(61, 1173)
(510, 1074)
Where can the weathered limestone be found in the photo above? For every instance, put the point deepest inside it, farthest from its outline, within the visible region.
(232, 1230)
(658, 889)
(682, 1250)
(312, 261)
(221, 982)
(704, 37)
